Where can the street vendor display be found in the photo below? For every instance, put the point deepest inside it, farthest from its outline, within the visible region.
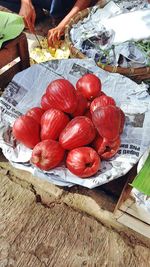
(111, 155)
(89, 137)
(116, 36)
(116, 93)
(61, 127)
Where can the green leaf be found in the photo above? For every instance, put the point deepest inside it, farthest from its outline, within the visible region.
(142, 180)
(11, 25)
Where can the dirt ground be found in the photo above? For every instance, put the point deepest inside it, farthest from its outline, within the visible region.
(33, 235)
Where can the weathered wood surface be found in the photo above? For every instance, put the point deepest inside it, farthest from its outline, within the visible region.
(32, 235)
(134, 216)
(10, 52)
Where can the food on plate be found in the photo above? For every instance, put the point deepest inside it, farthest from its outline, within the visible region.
(107, 121)
(84, 121)
(53, 122)
(89, 85)
(27, 131)
(47, 154)
(83, 161)
(36, 113)
(46, 53)
(80, 131)
(61, 95)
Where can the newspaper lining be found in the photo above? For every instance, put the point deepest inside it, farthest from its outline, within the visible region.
(25, 91)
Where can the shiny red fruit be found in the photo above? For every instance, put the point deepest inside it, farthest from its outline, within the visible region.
(36, 113)
(89, 85)
(107, 121)
(45, 104)
(47, 155)
(107, 149)
(62, 95)
(102, 101)
(81, 105)
(27, 131)
(83, 161)
(80, 131)
(53, 122)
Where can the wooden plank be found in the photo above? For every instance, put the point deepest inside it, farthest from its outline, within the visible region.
(127, 188)
(133, 223)
(7, 54)
(7, 76)
(24, 52)
(10, 50)
(130, 207)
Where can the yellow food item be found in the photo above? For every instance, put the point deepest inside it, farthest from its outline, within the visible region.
(60, 51)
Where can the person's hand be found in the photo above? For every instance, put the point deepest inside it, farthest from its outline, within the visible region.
(54, 35)
(27, 11)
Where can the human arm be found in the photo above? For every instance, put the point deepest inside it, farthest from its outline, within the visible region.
(27, 11)
(55, 33)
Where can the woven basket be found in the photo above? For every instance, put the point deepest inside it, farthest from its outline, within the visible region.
(136, 74)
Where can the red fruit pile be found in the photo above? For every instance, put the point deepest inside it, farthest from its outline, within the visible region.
(81, 126)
